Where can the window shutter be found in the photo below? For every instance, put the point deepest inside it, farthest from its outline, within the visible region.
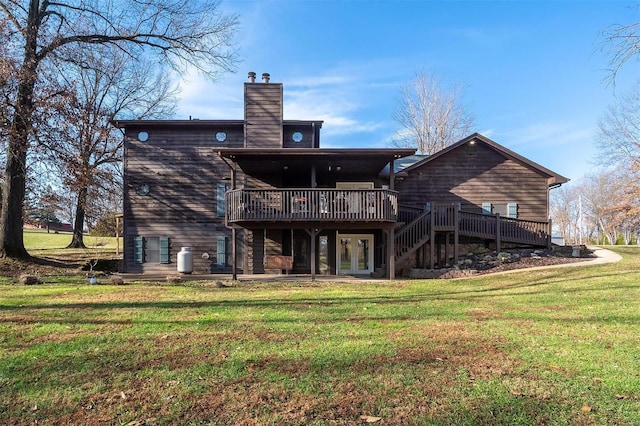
(221, 189)
(138, 249)
(512, 210)
(486, 208)
(164, 249)
(222, 251)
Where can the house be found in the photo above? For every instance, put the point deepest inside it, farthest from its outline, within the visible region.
(260, 195)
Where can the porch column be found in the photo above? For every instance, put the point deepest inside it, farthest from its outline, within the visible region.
(391, 258)
(234, 264)
(498, 236)
(456, 235)
(432, 237)
(312, 233)
(392, 175)
(313, 176)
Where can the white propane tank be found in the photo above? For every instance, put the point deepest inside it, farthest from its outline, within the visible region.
(185, 260)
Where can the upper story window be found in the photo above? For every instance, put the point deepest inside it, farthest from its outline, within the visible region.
(143, 136)
(297, 137)
(221, 136)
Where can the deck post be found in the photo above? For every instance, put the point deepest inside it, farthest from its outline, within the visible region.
(498, 236)
(432, 237)
(391, 262)
(456, 235)
(234, 264)
(549, 234)
(447, 247)
(312, 233)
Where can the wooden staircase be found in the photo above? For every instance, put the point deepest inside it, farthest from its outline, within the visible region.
(447, 218)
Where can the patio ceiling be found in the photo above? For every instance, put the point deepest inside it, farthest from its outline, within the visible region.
(260, 161)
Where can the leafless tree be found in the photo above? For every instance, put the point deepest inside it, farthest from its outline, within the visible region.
(565, 212)
(622, 44)
(431, 114)
(82, 142)
(603, 194)
(43, 32)
(618, 133)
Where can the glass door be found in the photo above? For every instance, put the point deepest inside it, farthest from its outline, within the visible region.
(355, 254)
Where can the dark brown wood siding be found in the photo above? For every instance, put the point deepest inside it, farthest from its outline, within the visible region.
(263, 115)
(182, 172)
(308, 136)
(476, 174)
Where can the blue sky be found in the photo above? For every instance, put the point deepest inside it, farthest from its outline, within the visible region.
(533, 71)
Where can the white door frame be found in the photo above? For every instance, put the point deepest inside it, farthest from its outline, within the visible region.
(354, 253)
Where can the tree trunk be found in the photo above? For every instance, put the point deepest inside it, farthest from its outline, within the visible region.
(11, 220)
(77, 241)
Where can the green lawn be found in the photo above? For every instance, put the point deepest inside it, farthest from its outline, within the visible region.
(51, 245)
(552, 347)
(35, 239)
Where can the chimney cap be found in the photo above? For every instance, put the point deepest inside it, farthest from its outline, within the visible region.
(265, 77)
(252, 77)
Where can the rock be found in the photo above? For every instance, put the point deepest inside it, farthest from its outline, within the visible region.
(116, 281)
(504, 256)
(29, 280)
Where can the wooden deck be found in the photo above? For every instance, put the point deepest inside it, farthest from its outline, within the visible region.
(447, 218)
(311, 205)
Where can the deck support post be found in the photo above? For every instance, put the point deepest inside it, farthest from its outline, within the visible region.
(313, 233)
(447, 248)
(456, 235)
(549, 235)
(391, 258)
(234, 264)
(498, 237)
(432, 238)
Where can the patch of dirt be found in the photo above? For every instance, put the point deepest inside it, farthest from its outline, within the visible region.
(53, 266)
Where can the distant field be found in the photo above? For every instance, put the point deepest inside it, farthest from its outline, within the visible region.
(38, 242)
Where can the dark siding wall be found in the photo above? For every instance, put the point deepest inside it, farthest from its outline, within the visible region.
(182, 171)
(263, 115)
(307, 132)
(473, 174)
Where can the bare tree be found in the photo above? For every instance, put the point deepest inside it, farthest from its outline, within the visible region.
(622, 44)
(431, 114)
(565, 211)
(618, 133)
(604, 195)
(82, 142)
(42, 32)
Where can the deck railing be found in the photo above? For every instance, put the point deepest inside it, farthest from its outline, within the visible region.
(504, 228)
(494, 227)
(311, 205)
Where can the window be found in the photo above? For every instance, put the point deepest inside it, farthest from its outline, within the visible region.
(487, 208)
(221, 136)
(220, 205)
(221, 249)
(512, 210)
(151, 249)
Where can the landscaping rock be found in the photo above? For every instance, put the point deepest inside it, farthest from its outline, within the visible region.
(29, 280)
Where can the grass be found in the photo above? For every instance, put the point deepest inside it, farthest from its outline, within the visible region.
(40, 239)
(557, 346)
